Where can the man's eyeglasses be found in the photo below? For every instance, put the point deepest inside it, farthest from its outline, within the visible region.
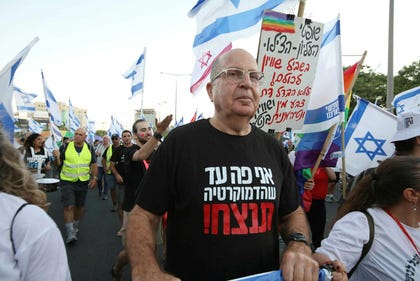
(236, 75)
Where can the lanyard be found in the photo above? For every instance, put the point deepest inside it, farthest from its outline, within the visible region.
(403, 230)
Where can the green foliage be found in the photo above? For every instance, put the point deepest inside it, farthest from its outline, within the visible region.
(408, 77)
(100, 133)
(372, 86)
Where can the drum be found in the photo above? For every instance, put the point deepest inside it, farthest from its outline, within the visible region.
(48, 184)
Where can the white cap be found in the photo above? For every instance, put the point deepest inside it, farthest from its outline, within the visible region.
(408, 127)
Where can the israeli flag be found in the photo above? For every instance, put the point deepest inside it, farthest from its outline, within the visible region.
(24, 101)
(408, 101)
(51, 103)
(34, 126)
(136, 74)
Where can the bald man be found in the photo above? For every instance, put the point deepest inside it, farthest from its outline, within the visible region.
(79, 172)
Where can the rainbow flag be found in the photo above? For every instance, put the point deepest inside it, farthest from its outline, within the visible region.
(349, 76)
(273, 21)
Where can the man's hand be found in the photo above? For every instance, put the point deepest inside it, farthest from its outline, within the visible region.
(309, 184)
(92, 183)
(297, 263)
(164, 124)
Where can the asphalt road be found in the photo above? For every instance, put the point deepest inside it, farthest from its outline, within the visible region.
(92, 256)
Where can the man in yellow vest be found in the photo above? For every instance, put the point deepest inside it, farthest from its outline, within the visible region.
(79, 172)
(110, 183)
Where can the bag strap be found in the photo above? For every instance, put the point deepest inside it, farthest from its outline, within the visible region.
(366, 247)
(11, 227)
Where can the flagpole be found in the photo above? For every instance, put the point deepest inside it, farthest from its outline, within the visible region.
(343, 143)
(301, 8)
(144, 74)
(323, 150)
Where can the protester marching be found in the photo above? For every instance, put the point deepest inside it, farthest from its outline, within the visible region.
(293, 175)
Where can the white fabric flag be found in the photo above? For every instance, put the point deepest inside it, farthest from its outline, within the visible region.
(115, 127)
(55, 132)
(367, 139)
(219, 22)
(407, 101)
(34, 126)
(24, 101)
(51, 103)
(6, 77)
(136, 74)
(326, 106)
(73, 121)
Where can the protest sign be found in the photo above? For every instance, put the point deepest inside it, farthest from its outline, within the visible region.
(287, 55)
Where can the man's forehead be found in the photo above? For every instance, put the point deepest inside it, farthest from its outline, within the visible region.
(143, 125)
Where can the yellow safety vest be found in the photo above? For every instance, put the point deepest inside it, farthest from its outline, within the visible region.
(108, 158)
(76, 166)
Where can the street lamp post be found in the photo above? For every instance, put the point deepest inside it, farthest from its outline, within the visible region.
(176, 75)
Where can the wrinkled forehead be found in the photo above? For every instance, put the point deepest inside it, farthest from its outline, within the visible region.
(238, 59)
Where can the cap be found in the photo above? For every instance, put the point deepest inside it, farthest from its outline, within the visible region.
(115, 136)
(408, 127)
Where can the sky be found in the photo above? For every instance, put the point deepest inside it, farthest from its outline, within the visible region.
(84, 48)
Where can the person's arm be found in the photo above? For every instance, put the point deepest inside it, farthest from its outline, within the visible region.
(339, 273)
(297, 263)
(104, 166)
(331, 174)
(57, 159)
(141, 230)
(145, 150)
(94, 172)
(114, 171)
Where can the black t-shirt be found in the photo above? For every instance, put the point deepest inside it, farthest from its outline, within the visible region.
(135, 172)
(224, 195)
(121, 157)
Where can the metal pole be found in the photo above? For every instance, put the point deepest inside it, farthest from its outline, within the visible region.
(176, 98)
(390, 78)
(176, 75)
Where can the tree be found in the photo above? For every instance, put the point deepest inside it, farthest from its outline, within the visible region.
(100, 132)
(370, 86)
(408, 77)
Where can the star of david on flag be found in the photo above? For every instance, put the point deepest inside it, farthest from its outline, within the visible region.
(407, 101)
(367, 140)
(219, 22)
(365, 145)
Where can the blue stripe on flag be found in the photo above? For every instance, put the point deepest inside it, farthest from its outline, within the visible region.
(136, 87)
(234, 22)
(196, 8)
(25, 107)
(141, 58)
(415, 92)
(355, 118)
(330, 36)
(13, 70)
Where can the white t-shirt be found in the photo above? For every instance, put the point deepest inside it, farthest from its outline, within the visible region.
(40, 251)
(391, 257)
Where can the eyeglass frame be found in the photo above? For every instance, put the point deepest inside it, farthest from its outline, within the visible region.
(224, 71)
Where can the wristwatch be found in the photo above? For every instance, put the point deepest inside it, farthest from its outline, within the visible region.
(157, 136)
(298, 237)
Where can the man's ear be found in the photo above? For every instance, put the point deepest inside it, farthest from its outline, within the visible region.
(209, 88)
